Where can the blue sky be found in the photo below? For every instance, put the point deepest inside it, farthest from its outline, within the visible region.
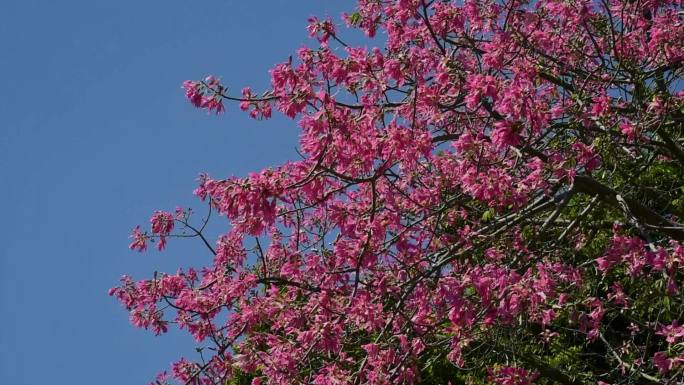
(95, 134)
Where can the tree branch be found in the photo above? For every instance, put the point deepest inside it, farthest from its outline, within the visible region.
(647, 216)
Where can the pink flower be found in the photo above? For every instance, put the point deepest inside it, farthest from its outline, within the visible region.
(505, 135)
(205, 95)
(628, 129)
(322, 30)
(162, 225)
(586, 156)
(673, 333)
(601, 105)
(662, 362)
(393, 71)
(508, 375)
(162, 222)
(139, 240)
(214, 104)
(618, 296)
(192, 92)
(161, 379)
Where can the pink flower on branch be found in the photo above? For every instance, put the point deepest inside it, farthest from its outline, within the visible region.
(482, 189)
(207, 94)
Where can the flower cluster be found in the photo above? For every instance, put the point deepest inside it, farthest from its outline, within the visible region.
(206, 94)
(492, 196)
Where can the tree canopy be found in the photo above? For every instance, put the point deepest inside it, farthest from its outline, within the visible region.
(492, 195)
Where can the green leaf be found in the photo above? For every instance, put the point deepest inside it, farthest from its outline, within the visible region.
(488, 215)
(355, 18)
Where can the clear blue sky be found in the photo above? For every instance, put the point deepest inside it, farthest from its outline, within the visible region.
(95, 134)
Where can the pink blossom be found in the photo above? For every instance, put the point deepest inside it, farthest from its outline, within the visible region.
(162, 225)
(442, 199)
(207, 94)
(139, 240)
(601, 105)
(662, 362)
(322, 30)
(192, 92)
(628, 129)
(505, 135)
(508, 375)
(673, 333)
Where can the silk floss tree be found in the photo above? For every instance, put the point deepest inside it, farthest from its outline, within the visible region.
(492, 195)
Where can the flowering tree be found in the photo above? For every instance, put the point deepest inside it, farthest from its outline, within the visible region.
(491, 196)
